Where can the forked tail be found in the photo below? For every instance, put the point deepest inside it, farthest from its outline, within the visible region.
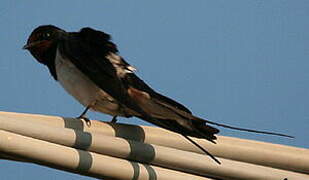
(247, 130)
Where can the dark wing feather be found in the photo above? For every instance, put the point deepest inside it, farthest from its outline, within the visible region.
(137, 83)
(88, 49)
(89, 57)
(96, 45)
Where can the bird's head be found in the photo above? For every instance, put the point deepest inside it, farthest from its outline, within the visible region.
(42, 42)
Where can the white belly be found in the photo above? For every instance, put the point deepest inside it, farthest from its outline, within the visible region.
(83, 89)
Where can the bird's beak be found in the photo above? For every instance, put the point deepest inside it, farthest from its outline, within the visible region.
(26, 46)
(30, 45)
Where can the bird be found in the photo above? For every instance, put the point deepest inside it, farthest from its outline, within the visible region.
(88, 66)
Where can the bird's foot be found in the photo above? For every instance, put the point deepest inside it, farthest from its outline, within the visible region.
(84, 118)
(114, 120)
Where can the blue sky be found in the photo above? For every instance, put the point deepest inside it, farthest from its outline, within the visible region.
(239, 62)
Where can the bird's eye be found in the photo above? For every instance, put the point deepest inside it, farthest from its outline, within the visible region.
(46, 35)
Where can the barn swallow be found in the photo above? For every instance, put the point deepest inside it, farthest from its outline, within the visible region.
(88, 66)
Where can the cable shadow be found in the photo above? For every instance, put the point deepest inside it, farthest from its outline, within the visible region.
(136, 168)
(139, 152)
(82, 142)
(134, 135)
(129, 132)
(151, 172)
(85, 161)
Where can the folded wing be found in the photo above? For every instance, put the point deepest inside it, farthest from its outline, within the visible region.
(90, 51)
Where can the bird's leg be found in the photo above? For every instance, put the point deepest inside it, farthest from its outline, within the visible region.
(114, 120)
(82, 116)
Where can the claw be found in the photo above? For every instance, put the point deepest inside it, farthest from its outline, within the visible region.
(87, 120)
(83, 117)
